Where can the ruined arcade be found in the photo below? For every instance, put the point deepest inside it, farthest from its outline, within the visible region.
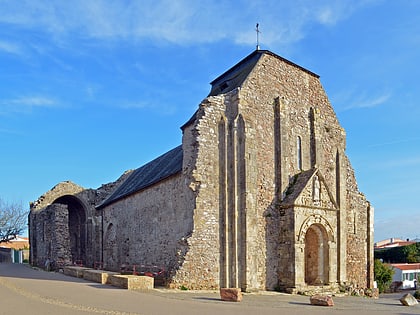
(260, 195)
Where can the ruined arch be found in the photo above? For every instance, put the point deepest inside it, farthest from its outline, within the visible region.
(77, 232)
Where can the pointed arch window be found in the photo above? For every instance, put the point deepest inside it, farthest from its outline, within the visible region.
(299, 153)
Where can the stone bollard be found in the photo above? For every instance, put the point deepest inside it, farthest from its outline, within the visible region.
(408, 300)
(231, 294)
(321, 300)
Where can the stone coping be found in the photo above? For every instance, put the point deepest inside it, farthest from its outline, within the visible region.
(130, 282)
(100, 276)
(74, 271)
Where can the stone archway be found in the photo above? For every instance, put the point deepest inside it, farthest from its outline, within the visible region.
(76, 227)
(110, 247)
(316, 255)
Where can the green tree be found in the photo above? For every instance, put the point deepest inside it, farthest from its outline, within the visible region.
(412, 253)
(13, 220)
(383, 275)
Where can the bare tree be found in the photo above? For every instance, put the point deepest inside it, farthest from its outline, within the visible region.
(13, 220)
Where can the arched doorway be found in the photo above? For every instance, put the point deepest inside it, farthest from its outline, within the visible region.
(77, 227)
(110, 247)
(316, 255)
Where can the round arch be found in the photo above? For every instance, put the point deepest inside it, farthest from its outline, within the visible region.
(316, 255)
(319, 220)
(76, 227)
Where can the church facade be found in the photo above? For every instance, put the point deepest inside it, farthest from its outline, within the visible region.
(260, 195)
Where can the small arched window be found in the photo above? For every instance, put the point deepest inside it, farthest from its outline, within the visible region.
(299, 153)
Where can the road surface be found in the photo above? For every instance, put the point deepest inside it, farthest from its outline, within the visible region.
(25, 290)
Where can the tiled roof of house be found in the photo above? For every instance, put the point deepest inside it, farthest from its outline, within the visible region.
(415, 266)
(151, 173)
(393, 243)
(19, 242)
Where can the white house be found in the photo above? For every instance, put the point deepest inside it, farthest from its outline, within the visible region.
(408, 274)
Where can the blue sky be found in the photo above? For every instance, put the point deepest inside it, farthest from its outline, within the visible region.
(90, 89)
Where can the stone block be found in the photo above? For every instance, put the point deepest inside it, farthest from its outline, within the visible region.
(231, 294)
(321, 300)
(132, 282)
(74, 271)
(99, 276)
(408, 300)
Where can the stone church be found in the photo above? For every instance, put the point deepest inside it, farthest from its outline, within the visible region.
(260, 195)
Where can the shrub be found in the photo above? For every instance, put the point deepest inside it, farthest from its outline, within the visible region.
(383, 275)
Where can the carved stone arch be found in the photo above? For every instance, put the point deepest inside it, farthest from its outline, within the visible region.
(316, 219)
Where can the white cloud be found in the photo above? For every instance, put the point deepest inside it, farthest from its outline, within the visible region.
(33, 101)
(349, 100)
(386, 227)
(10, 48)
(135, 105)
(181, 22)
(25, 104)
(399, 141)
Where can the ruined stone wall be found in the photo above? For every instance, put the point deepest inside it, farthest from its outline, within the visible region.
(149, 227)
(201, 267)
(51, 242)
(48, 228)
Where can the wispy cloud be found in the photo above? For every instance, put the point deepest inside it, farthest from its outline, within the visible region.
(408, 162)
(181, 22)
(10, 48)
(136, 105)
(26, 104)
(385, 226)
(396, 141)
(349, 100)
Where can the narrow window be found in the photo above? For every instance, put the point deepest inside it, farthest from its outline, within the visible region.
(299, 153)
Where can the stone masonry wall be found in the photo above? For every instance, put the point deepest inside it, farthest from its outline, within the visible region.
(221, 221)
(48, 229)
(299, 95)
(150, 227)
(201, 268)
(298, 92)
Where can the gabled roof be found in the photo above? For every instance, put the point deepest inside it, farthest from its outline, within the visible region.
(235, 76)
(303, 181)
(151, 173)
(297, 185)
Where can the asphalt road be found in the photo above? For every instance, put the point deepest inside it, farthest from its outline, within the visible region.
(24, 290)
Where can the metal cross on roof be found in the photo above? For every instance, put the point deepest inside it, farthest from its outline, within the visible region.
(258, 35)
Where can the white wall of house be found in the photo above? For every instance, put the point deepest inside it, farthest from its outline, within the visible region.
(407, 277)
